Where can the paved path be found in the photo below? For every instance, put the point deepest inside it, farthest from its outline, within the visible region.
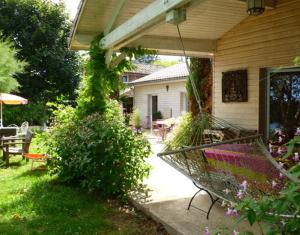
(167, 198)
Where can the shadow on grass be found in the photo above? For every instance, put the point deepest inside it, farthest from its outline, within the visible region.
(15, 164)
(33, 173)
(50, 208)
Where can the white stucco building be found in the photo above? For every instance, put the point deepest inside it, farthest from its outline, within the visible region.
(162, 91)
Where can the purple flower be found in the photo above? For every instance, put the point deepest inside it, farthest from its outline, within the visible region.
(229, 212)
(280, 175)
(279, 151)
(280, 139)
(243, 186)
(235, 213)
(297, 131)
(206, 232)
(240, 194)
(274, 184)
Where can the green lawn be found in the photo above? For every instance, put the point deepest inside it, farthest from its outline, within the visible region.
(32, 202)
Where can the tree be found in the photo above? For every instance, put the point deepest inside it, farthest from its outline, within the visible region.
(40, 31)
(201, 74)
(9, 66)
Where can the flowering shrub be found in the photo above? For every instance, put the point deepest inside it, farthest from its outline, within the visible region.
(98, 153)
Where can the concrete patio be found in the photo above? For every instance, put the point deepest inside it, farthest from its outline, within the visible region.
(167, 197)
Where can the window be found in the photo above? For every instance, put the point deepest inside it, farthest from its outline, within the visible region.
(184, 106)
(283, 100)
(125, 78)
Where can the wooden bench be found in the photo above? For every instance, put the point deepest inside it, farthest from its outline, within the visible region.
(220, 168)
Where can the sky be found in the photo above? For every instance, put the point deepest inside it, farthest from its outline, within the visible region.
(71, 6)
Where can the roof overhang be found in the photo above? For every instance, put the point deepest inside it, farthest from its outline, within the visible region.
(142, 23)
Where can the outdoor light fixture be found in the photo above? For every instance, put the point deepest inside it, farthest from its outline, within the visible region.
(255, 7)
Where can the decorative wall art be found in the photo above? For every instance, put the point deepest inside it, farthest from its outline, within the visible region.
(234, 86)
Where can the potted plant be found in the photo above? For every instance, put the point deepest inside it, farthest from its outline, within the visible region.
(136, 120)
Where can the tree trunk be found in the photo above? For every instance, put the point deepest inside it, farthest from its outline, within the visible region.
(201, 74)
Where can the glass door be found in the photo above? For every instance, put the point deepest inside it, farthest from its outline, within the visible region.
(284, 101)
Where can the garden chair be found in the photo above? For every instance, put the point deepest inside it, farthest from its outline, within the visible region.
(23, 128)
(16, 145)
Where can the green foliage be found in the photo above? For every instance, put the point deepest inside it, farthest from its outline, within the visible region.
(98, 153)
(40, 30)
(9, 66)
(147, 59)
(165, 63)
(280, 214)
(297, 60)
(34, 113)
(102, 81)
(157, 115)
(136, 118)
(188, 132)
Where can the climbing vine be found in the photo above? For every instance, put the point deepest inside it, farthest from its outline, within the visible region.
(102, 81)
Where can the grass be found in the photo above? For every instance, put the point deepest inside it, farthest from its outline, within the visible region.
(33, 202)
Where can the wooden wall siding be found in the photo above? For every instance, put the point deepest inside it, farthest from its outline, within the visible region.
(270, 40)
(209, 20)
(166, 100)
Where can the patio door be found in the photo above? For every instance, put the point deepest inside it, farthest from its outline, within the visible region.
(283, 100)
(154, 104)
(152, 108)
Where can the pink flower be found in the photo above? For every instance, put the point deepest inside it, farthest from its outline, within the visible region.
(279, 151)
(240, 194)
(235, 213)
(244, 186)
(206, 232)
(280, 175)
(274, 184)
(229, 212)
(297, 131)
(280, 139)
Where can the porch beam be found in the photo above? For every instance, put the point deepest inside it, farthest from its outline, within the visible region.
(271, 4)
(172, 44)
(114, 16)
(143, 20)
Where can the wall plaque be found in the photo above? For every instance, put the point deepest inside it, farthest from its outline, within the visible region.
(234, 86)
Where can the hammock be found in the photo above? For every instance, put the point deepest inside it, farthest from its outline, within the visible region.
(219, 157)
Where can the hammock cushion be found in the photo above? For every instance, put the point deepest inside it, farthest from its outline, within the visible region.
(244, 162)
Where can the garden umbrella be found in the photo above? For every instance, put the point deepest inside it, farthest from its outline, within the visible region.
(10, 99)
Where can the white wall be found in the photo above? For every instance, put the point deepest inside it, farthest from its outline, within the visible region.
(167, 100)
(267, 41)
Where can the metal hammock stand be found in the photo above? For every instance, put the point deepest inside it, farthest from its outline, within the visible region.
(219, 156)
